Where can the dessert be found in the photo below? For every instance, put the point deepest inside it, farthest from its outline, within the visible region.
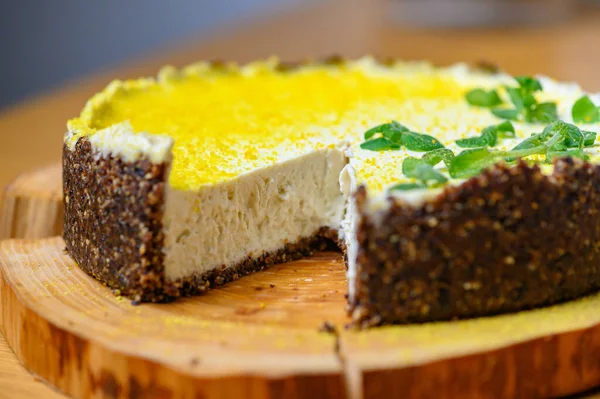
(453, 192)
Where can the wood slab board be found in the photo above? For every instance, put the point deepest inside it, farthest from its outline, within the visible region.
(259, 337)
(31, 205)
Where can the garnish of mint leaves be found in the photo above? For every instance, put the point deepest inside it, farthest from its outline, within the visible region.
(423, 170)
(525, 106)
(584, 111)
(393, 136)
(489, 136)
(559, 139)
(483, 98)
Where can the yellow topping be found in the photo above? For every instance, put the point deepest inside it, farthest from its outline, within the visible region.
(225, 123)
(231, 120)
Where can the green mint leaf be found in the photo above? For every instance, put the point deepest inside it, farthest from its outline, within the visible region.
(560, 135)
(471, 162)
(386, 129)
(483, 98)
(489, 136)
(426, 173)
(379, 144)
(372, 132)
(472, 142)
(517, 97)
(506, 130)
(535, 140)
(544, 112)
(584, 111)
(409, 165)
(589, 138)
(394, 136)
(441, 154)
(559, 139)
(529, 83)
(421, 170)
(407, 186)
(420, 142)
(506, 113)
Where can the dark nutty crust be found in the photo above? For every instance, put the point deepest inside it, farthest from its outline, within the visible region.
(113, 228)
(507, 240)
(113, 213)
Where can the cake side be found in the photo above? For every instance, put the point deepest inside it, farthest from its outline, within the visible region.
(507, 240)
(113, 219)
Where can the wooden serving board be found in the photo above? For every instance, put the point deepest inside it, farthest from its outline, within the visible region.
(260, 337)
(31, 206)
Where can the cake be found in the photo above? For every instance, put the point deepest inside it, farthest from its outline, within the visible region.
(452, 191)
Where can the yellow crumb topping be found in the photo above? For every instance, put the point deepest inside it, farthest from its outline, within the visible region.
(230, 120)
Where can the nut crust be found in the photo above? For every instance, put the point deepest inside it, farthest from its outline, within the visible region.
(507, 240)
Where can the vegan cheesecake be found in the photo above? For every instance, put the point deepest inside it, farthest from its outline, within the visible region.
(452, 191)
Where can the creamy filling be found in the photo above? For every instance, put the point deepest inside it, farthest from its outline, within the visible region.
(259, 212)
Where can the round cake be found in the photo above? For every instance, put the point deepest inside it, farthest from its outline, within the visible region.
(452, 191)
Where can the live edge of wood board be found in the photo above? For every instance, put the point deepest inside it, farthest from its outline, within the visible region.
(262, 336)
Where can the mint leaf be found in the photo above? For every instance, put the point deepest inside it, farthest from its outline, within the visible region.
(471, 162)
(489, 136)
(394, 136)
(589, 138)
(421, 170)
(529, 83)
(386, 129)
(535, 140)
(526, 106)
(517, 97)
(379, 144)
(420, 142)
(441, 154)
(584, 111)
(506, 130)
(544, 112)
(559, 139)
(472, 142)
(506, 113)
(407, 186)
(483, 98)
(562, 133)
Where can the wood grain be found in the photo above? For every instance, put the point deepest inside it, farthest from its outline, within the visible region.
(256, 338)
(31, 206)
(259, 336)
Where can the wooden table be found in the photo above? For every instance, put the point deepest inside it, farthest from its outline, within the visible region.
(31, 132)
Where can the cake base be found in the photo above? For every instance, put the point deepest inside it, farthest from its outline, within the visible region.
(276, 333)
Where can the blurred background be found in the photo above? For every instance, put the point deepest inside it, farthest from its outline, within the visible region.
(47, 43)
(56, 54)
